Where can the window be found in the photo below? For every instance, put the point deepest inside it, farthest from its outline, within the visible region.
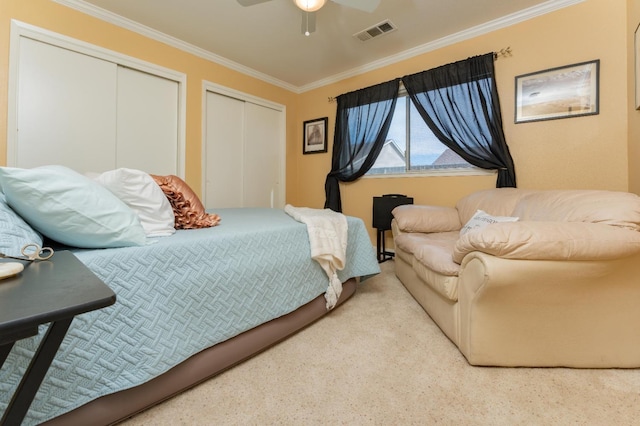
(411, 147)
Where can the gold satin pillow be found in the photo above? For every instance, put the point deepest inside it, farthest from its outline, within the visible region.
(187, 208)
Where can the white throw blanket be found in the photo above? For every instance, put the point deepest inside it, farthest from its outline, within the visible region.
(328, 239)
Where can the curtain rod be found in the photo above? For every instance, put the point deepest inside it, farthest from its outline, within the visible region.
(502, 53)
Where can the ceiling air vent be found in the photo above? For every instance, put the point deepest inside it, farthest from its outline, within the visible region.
(375, 31)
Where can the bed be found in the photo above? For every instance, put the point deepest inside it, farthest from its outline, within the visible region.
(189, 306)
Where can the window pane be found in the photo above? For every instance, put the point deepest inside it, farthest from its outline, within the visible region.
(426, 152)
(392, 157)
(425, 147)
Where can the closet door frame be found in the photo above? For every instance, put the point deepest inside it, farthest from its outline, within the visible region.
(20, 29)
(208, 86)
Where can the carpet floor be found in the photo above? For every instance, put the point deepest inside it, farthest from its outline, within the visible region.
(380, 360)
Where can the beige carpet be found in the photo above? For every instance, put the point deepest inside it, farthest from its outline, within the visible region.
(380, 360)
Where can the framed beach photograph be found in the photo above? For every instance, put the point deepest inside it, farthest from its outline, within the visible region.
(563, 92)
(314, 138)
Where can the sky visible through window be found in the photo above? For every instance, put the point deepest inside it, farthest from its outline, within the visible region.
(425, 147)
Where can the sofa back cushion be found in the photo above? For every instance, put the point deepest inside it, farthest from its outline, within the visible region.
(417, 218)
(621, 209)
(536, 240)
(496, 202)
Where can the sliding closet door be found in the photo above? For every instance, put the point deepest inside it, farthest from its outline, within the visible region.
(224, 151)
(66, 111)
(261, 156)
(91, 109)
(147, 122)
(242, 161)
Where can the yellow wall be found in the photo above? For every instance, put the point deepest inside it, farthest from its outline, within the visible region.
(63, 20)
(601, 151)
(634, 115)
(579, 152)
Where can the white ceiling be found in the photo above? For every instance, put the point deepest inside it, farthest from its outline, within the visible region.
(266, 39)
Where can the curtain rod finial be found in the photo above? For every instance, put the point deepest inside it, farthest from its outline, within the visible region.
(504, 52)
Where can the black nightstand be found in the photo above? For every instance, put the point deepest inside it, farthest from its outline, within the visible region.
(54, 291)
(382, 207)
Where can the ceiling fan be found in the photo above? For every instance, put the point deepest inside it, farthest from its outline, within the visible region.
(309, 7)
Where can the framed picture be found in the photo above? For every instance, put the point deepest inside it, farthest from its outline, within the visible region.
(314, 137)
(636, 48)
(563, 92)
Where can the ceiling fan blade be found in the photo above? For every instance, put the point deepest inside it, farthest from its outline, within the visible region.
(364, 5)
(251, 2)
(308, 23)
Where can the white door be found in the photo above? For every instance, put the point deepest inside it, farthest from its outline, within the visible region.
(147, 135)
(261, 156)
(223, 151)
(90, 113)
(243, 160)
(66, 110)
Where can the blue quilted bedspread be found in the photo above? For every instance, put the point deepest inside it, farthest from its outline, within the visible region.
(178, 296)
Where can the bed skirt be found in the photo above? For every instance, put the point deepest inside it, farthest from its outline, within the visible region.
(114, 408)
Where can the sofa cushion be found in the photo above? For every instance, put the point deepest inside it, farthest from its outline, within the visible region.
(432, 259)
(550, 241)
(496, 202)
(436, 254)
(445, 285)
(419, 218)
(407, 257)
(620, 209)
(482, 219)
(411, 242)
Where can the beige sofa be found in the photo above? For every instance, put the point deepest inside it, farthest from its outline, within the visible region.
(558, 287)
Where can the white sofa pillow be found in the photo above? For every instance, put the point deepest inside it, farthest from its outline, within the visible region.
(481, 219)
(141, 193)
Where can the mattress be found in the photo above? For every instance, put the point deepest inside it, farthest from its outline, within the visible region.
(177, 296)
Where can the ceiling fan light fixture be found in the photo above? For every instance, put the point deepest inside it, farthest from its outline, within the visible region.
(310, 5)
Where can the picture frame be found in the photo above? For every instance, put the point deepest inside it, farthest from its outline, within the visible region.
(636, 49)
(562, 92)
(314, 136)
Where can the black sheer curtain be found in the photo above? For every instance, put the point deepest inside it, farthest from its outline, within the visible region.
(363, 119)
(459, 102)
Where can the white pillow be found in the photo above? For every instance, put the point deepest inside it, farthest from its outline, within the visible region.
(481, 219)
(141, 193)
(70, 208)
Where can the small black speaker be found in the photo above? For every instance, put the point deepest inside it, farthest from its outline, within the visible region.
(382, 207)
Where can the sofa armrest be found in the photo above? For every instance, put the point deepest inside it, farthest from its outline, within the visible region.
(533, 240)
(549, 312)
(419, 218)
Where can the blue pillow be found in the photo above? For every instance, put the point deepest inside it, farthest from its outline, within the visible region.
(70, 208)
(14, 231)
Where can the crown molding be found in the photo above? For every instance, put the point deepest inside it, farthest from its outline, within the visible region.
(503, 22)
(496, 24)
(120, 21)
